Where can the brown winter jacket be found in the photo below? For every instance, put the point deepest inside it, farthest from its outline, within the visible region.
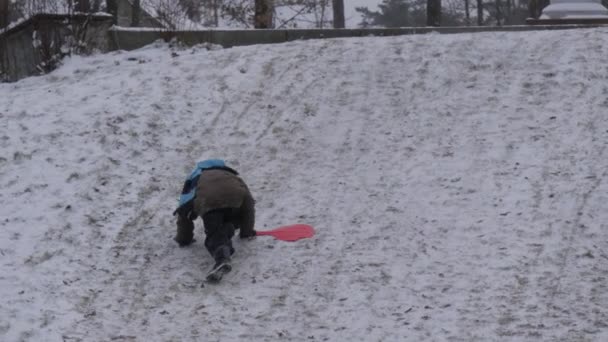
(221, 189)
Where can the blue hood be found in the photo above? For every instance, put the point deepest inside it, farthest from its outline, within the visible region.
(206, 164)
(189, 190)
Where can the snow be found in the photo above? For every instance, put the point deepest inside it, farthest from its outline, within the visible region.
(12, 25)
(456, 184)
(575, 10)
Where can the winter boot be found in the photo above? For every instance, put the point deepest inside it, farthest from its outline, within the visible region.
(222, 264)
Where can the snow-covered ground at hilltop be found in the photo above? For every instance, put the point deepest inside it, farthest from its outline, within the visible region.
(457, 184)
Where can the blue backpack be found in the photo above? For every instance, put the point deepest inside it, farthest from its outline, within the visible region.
(188, 194)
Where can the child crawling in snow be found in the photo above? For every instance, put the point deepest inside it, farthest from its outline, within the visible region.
(221, 198)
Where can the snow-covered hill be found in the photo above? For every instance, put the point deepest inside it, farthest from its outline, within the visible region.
(457, 184)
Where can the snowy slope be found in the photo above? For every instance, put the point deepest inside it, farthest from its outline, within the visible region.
(457, 184)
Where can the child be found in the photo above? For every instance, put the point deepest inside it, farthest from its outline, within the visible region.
(216, 193)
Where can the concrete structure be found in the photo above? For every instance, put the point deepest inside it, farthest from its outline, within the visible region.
(21, 55)
(575, 9)
(563, 12)
(35, 45)
(130, 39)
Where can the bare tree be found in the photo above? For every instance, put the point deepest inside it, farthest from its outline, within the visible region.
(216, 10)
(305, 13)
(338, 8)
(263, 14)
(498, 13)
(479, 12)
(237, 12)
(433, 12)
(171, 14)
(319, 10)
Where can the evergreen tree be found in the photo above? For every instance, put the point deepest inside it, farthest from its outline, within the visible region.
(393, 13)
(404, 13)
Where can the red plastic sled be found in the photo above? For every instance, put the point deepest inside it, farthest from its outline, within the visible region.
(290, 233)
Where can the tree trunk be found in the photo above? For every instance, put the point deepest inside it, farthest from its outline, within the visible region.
(4, 21)
(112, 8)
(467, 12)
(263, 14)
(479, 12)
(135, 14)
(433, 12)
(82, 6)
(498, 13)
(4, 17)
(338, 8)
(216, 13)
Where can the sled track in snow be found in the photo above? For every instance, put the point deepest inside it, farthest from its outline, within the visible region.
(457, 191)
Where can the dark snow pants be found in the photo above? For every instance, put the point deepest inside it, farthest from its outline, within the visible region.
(220, 226)
(219, 230)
